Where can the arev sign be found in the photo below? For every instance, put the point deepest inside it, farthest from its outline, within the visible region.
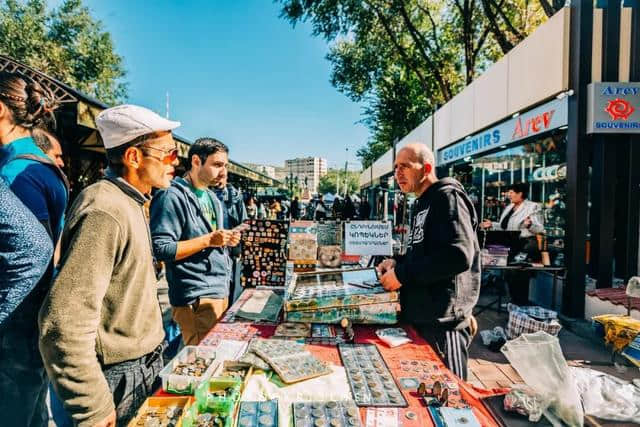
(613, 107)
(543, 118)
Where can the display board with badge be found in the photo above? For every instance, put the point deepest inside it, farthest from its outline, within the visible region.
(264, 255)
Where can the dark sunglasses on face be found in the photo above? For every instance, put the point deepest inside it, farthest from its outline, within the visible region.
(168, 156)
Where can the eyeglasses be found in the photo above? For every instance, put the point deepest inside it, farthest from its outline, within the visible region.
(168, 156)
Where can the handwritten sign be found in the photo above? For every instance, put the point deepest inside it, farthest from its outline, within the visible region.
(368, 238)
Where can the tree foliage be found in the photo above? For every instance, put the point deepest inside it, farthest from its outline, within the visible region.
(327, 182)
(66, 43)
(404, 58)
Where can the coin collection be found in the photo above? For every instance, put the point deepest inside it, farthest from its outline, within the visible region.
(209, 420)
(291, 361)
(188, 369)
(326, 414)
(369, 378)
(160, 416)
(264, 256)
(258, 414)
(193, 368)
(293, 330)
(329, 233)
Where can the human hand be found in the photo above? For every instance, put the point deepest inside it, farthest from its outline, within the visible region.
(386, 265)
(109, 421)
(485, 224)
(390, 281)
(235, 237)
(219, 238)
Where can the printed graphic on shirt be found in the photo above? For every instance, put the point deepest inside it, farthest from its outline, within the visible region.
(417, 234)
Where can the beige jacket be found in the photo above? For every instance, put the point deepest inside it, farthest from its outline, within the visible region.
(103, 305)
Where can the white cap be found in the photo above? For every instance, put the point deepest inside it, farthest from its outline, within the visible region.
(124, 123)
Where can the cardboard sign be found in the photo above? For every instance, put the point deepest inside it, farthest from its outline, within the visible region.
(368, 238)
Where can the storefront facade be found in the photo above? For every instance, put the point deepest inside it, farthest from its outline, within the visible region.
(524, 121)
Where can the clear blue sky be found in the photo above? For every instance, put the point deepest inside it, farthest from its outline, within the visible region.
(237, 72)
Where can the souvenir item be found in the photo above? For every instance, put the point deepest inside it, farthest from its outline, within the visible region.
(160, 412)
(329, 233)
(258, 414)
(264, 254)
(263, 305)
(459, 417)
(327, 297)
(293, 330)
(303, 246)
(382, 417)
(304, 265)
(329, 256)
(326, 414)
(291, 361)
(253, 359)
(409, 383)
(369, 378)
(188, 369)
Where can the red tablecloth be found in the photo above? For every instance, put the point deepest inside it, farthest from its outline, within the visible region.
(418, 350)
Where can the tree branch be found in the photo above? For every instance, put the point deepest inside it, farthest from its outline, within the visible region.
(505, 45)
(508, 23)
(548, 9)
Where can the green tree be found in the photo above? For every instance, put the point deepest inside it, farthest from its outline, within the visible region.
(327, 182)
(404, 58)
(66, 43)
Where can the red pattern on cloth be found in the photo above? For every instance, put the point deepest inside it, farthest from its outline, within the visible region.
(616, 296)
(419, 349)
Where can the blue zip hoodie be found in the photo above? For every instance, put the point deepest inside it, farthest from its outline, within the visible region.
(176, 216)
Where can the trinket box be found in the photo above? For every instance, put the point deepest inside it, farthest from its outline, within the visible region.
(326, 414)
(161, 412)
(369, 377)
(329, 256)
(190, 367)
(258, 414)
(302, 246)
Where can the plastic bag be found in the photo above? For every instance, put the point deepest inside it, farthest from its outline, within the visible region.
(523, 400)
(607, 397)
(490, 335)
(538, 359)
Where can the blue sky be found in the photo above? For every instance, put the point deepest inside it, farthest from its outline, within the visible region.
(235, 71)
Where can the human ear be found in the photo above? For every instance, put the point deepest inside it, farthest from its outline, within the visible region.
(133, 157)
(427, 168)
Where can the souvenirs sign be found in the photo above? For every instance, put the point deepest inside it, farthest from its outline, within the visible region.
(368, 238)
(613, 107)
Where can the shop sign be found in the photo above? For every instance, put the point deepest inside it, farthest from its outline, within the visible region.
(549, 116)
(368, 238)
(613, 107)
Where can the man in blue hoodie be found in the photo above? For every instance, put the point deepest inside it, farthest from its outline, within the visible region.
(188, 234)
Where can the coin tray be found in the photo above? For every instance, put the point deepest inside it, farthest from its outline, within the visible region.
(258, 414)
(293, 330)
(326, 414)
(160, 412)
(291, 361)
(369, 377)
(178, 381)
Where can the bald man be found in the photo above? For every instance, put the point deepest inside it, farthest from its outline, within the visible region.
(439, 277)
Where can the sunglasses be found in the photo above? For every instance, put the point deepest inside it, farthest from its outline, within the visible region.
(168, 156)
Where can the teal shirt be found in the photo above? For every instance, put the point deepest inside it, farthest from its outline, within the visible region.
(206, 204)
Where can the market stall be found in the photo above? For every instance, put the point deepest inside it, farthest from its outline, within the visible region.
(315, 343)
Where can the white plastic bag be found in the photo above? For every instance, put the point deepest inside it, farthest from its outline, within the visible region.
(393, 337)
(538, 358)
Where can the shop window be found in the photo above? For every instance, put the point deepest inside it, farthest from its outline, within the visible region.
(540, 163)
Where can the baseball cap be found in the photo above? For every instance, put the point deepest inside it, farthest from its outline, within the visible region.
(124, 123)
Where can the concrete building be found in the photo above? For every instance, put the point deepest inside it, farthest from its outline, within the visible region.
(308, 170)
(268, 170)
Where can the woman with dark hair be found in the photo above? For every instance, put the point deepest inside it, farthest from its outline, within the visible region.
(525, 216)
(36, 180)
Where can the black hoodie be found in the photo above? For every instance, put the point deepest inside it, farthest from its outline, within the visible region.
(440, 273)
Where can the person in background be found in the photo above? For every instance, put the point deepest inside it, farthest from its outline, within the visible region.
(525, 216)
(101, 334)
(348, 209)
(262, 211)
(295, 208)
(42, 188)
(439, 277)
(275, 209)
(187, 229)
(336, 208)
(364, 211)
(320, 212)
(234, 213)
(50, 145)
(252, 208)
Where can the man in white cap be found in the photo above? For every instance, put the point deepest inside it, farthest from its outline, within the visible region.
(101, 334)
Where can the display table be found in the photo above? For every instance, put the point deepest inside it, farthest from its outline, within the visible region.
(398, 359)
